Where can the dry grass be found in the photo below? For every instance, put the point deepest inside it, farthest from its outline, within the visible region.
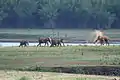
(17, 75)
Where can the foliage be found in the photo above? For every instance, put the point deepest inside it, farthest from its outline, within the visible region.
(59, 13)
(24, 78)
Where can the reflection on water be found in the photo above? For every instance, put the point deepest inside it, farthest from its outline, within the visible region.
(7, 44)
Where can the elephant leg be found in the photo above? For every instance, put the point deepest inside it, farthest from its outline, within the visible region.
(38, 45)
(47, 44)
(63, 43)
(19, 45)
(107, 43)
(51, 45)
(60, 44)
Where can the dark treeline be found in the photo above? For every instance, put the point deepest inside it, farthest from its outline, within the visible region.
(59, 14)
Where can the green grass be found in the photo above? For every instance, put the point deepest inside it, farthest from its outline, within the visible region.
(18, 57)
(71, 34)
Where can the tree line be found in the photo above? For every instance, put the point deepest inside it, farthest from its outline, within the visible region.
(60, 14)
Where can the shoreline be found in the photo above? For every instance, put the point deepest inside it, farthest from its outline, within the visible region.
(66, 41)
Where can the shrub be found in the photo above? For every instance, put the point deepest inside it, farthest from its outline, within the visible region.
(24, 78)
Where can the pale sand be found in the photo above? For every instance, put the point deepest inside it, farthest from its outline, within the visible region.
(16, 75)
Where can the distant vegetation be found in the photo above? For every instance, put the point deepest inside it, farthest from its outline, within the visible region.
(69, 35)
(60, 14)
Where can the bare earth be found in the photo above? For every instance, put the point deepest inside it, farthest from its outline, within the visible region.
(16, 75)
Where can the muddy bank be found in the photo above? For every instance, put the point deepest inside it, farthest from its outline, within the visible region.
(89, 70)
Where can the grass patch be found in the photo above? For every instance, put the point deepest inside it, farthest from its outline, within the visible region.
(24, 78)
(71, 59)
(16, 57)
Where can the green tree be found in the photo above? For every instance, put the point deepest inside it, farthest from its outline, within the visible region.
(48, 9)
(60, 13)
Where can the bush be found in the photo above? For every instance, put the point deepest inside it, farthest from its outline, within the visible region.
(24, 78)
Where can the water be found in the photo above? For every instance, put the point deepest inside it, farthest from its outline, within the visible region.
(8, 44)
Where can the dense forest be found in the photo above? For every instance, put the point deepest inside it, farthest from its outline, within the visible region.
(95, 14)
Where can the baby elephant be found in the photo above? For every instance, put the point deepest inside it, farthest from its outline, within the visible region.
(57, 42)
(24, 43)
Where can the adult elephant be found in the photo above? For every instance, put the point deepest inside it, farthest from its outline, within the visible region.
(102, 40)
(24, 43)
(56, 42)
(43, 40)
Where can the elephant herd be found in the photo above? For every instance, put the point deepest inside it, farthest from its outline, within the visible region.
(100, 38)
(59, 42)
(46, 41)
